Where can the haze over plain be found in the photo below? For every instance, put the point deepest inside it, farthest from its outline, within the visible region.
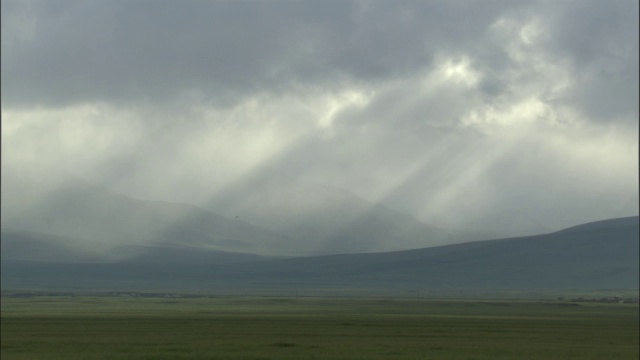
(494, 117)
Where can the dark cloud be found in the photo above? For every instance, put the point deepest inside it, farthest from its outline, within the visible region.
(62, 53)
(76, 52)
(600, 38)
(460, 111)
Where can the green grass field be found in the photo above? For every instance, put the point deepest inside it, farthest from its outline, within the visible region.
(313, 328)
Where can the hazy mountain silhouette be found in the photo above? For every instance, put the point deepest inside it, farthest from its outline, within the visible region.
(600, 255)
(325, 219)
(278, 216)
(596, 255)
(28, 246)
(103, 221)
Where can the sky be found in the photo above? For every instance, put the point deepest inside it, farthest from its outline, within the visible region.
(488, 114)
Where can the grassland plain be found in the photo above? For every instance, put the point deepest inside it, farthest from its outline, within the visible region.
(313, 328)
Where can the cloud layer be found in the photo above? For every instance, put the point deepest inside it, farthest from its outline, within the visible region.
(501, 115)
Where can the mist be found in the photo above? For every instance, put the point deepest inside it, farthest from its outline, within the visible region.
(309, 120)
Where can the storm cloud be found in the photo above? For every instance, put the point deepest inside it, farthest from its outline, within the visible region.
(506, 116)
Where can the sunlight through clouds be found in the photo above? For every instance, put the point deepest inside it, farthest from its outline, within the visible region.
(461, 71)
(451, 114)
(67, 141)
(520, 116)
(337, 103)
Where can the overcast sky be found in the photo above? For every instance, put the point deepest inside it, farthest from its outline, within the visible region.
(480, 112)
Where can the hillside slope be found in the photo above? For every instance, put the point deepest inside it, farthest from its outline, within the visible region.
(604, 256)
(99, 219)
(600, 257)
(279, 216)
(325, 219)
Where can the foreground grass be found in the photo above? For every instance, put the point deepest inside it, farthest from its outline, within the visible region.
(313, 328)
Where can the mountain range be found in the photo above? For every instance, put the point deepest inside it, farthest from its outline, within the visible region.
(275, 217)
(599, 255)
(283, 232)
(324, 219)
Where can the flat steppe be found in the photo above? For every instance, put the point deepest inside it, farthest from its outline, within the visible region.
(263, 327)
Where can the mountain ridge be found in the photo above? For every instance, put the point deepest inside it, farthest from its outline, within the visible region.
(280, 217)
(604, 257)
(329, 219)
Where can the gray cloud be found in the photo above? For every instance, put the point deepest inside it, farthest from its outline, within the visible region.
(57, 54)
(457, 111)
(74, 52)
(601, 41)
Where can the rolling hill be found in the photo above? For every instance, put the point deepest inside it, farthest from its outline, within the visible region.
(102, 221)
(601, 255)
(325, 219)
(277, 216)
